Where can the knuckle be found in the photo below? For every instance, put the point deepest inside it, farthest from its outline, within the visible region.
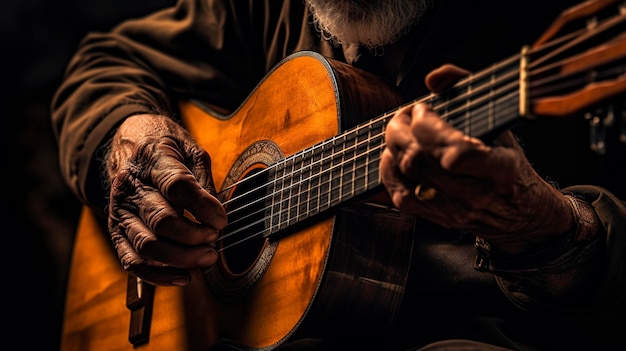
(159, 218)
(131, 263)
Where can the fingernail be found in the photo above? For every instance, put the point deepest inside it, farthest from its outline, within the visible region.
(208, 259)
(183, 281)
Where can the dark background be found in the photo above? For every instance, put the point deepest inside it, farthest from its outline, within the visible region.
(38, 37)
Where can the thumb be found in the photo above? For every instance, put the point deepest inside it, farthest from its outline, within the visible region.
(444, 77)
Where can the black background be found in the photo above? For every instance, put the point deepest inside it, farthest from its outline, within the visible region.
(38, 37)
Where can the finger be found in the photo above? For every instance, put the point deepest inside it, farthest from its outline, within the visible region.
(133, 263)
(181, 187)
(454, 151)
(430, 129)
(161, 218)
(444, 77)
(398, 187)
(469, 157)
(129, 194)
(402, 145)
(214, 211)
(152, 247)
(397, 131)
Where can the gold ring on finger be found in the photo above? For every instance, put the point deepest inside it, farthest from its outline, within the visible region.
(424, 192)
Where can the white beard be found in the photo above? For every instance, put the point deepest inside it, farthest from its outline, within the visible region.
(368, 23)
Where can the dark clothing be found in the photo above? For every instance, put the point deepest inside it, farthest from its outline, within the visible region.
(217, 51)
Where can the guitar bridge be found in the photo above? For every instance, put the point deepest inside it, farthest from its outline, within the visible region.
(600, 121)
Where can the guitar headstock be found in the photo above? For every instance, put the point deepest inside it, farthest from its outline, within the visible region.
(571, 71)
(579, 66)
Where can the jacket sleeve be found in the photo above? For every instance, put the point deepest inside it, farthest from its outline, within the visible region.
(603, 312)
(215, 51)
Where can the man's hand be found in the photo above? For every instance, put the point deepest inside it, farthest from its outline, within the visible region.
(159, 177)
(491, 190)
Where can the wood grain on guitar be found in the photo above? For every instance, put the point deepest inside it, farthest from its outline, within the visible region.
(310, 247)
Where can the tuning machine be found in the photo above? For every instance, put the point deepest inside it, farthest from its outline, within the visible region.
(600, 121)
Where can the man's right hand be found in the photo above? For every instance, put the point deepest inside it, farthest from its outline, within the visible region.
(163, 216)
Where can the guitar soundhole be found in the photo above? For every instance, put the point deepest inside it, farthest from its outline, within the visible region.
(245, 254)
(244, 241)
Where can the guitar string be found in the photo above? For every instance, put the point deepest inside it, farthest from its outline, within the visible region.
(432, 97)
(535, 84)
(483, 110)
(511, 111)
(447, 115)
(581, 36)
(468, 82)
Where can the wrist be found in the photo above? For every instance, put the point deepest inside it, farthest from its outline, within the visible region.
(564, 253)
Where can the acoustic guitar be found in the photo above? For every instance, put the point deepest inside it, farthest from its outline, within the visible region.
(313, 245)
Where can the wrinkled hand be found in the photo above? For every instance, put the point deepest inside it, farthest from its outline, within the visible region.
(491, 190)
(156, 171)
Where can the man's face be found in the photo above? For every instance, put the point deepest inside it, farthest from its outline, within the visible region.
(371, 23)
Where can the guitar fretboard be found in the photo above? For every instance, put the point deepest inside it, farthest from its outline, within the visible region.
(325, 175)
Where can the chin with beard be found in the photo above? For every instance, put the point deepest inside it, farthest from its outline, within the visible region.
(369, 23)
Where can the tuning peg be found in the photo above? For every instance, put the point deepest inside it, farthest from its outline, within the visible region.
(599, 121)
(622, 125)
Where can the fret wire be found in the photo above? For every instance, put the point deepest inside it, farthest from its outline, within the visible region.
(274, 173)
(337, 172)
(347, 178)
(295, 196)
(286, 192)
(303, 200)
(282, 191)
(335, 177)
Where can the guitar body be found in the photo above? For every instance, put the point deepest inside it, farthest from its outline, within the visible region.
(344, 267)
